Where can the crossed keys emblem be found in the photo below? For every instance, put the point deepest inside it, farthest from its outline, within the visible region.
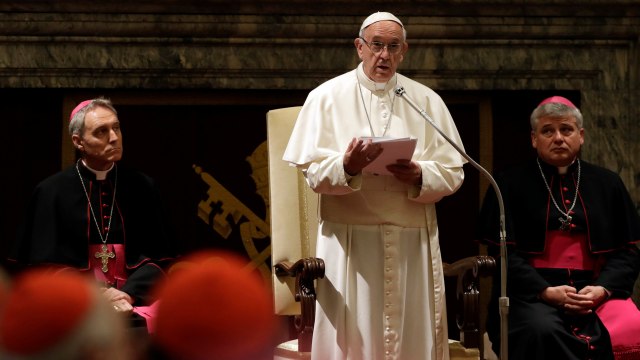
(221, 210)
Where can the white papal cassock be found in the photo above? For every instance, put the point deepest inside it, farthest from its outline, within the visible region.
(383, 292)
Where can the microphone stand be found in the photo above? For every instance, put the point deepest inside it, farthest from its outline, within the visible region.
(503, 300)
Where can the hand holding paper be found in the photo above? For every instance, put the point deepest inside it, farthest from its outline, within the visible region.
(394, 149)
(359, 154)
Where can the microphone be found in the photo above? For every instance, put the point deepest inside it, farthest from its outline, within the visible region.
(503, 300)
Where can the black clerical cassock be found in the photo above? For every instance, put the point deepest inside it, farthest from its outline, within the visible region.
(588, 206)
(63, 228)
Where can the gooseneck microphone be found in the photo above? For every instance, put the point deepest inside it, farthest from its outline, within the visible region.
(504, 300)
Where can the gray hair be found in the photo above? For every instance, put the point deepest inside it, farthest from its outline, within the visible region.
(76, 125)
(555, 110)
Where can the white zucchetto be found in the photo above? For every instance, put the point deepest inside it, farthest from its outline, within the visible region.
(380, 16)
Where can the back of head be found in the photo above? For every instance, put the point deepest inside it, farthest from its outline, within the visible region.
(58, 315)
(214, 307)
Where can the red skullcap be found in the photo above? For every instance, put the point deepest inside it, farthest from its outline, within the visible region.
(212, 306)
(558, 99)
(42, 309)
(79, 107)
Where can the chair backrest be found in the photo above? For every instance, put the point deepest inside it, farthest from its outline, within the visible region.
(294, 208)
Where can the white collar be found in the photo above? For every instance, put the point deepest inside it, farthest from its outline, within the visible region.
(100, 174)
(372, 85)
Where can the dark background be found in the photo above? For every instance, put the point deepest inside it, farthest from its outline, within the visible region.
(167, 139)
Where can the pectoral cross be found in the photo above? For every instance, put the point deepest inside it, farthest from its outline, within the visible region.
(566, 223)
(105, 255)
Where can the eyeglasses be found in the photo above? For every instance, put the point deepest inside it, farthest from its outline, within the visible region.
(377, 47)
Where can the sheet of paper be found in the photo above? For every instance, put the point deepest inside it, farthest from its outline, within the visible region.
(394, 149)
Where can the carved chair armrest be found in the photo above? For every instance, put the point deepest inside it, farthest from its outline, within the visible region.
(468, 272)
(306, 271)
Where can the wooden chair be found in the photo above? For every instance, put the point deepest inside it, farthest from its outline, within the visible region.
(294, 225)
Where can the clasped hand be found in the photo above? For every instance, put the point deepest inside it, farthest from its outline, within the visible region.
(119, 300)
(361, 153)
(574, 302)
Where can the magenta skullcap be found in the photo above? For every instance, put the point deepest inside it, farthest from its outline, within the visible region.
(559, 100)
(79, 107)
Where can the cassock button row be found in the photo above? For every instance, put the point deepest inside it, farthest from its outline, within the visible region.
(567, 201)
(105, 205)
(565, 189)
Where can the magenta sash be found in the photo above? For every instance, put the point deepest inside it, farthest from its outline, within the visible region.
(116, 274)
(565, 250)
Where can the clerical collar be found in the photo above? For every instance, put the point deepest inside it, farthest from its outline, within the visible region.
(554, 170)
(372, 85)
(100, 174)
